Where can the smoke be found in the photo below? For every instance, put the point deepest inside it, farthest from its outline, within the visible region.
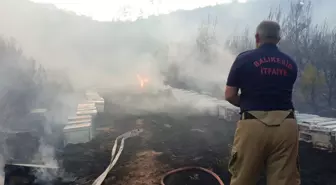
(26, 93)
(46, 155)
(106, 54)
(2, 173)
(91, 54)
(197, 73)
(185, 50)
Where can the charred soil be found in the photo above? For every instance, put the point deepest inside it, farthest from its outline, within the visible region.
(170, 142)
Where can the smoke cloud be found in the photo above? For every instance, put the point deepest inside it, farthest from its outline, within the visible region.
(184, 50)
(2, 174)
(46, 154)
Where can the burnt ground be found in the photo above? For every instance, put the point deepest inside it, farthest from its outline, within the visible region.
(165, 144)
(170, 142)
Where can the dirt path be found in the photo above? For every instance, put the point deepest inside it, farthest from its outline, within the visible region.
(144, 169)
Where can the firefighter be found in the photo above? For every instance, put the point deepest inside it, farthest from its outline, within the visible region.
(266, 137)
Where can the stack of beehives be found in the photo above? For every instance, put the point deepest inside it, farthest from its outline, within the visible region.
(80, 128)
(314, 129)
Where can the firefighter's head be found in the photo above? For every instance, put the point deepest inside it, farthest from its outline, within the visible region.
(267, 32)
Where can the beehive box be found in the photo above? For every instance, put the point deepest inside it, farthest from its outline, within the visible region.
(99, 104)
(78, 133)
(317, 130)
(80, 119)
(16, 173)
(85, 105)
(84, 112)
(87, 109)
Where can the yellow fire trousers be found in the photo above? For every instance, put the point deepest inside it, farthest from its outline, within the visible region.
(270, 143)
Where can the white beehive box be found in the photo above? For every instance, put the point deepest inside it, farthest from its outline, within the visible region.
(78, 133)
(92, 112)
(87, 108)
(100, 104)
(317, 130)
(80, 119)
(74, 118)
(95, 99)
(85, 105)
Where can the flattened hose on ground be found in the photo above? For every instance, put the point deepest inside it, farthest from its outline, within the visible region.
(114, 159)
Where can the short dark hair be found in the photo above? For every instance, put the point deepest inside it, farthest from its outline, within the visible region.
(268, 30)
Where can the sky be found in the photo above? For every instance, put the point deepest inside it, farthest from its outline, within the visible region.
(107, 10)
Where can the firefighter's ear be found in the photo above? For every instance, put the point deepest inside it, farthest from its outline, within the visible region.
(257, 38)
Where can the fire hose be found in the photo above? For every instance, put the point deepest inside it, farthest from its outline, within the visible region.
(167, 175)
(114, 158)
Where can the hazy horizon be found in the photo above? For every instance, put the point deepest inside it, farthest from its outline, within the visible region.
(103, 10)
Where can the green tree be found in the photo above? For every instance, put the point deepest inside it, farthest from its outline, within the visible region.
(313, 47)
(311, 82)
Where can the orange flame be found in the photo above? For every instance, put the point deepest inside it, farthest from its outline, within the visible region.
(142, 80)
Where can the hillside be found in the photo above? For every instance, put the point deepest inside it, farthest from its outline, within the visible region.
(62, 39)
